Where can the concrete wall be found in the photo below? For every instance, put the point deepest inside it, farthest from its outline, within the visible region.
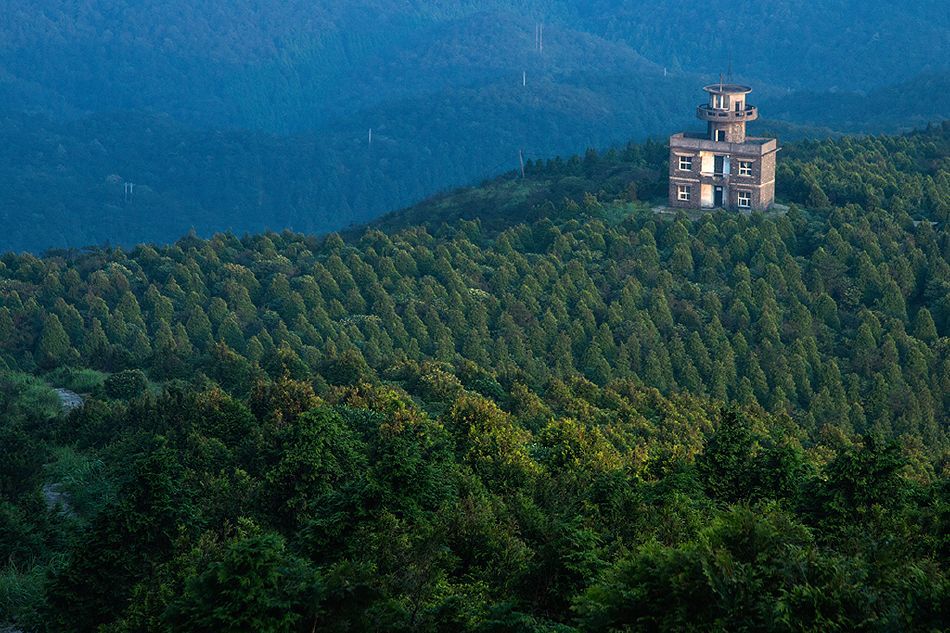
(735, 132)
(676, 203)
(767, 167)
(766, 176)
(760, 184)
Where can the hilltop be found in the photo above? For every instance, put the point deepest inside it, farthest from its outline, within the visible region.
(832, 172)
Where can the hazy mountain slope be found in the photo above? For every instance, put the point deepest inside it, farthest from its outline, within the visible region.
(900, 107)
(800, 44)
(332, 177)
(68, 178)
(64, 181)
(275, 65)
(452, 91)
(250, 64)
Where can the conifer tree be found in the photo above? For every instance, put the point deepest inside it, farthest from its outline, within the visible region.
(53, 348)
(924, 327)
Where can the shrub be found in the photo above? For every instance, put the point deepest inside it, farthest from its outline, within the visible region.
(126, 385)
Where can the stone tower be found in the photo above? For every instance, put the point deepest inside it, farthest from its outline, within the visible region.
(723, 168)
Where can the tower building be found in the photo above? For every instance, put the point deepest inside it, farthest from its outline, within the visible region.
(723, 168)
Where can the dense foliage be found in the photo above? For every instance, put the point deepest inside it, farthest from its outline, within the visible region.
(547, 409)
(249, 115)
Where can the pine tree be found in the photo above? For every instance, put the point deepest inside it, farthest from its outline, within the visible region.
(924, 327)
(257, 585)
(230, 333)
(892, 301)
(6, 328)
(726, 464)
(53, 348)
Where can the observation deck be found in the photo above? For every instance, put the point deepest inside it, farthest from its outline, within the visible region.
(706, 112)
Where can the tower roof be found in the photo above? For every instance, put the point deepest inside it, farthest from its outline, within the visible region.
(727, 89)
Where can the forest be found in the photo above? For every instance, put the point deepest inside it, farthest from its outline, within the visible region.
(532, 405)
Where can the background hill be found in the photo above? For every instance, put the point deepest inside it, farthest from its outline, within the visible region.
(250, 115)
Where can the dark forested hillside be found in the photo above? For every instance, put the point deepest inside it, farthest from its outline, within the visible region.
(65, 182)
(452, 91)
(190, 57)
(536, 405)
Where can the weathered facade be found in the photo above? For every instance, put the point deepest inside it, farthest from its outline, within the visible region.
(723, 168)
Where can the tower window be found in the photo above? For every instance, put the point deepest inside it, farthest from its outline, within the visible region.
(745, 168)
(745, 199)
(686, 163)
(720, 135)
(683, 192)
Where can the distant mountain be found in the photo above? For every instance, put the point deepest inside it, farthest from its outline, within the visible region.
(291, 65)
(249, 115)
(64, 182)
(895, 108)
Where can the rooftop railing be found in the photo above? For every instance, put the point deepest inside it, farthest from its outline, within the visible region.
(708, 113)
